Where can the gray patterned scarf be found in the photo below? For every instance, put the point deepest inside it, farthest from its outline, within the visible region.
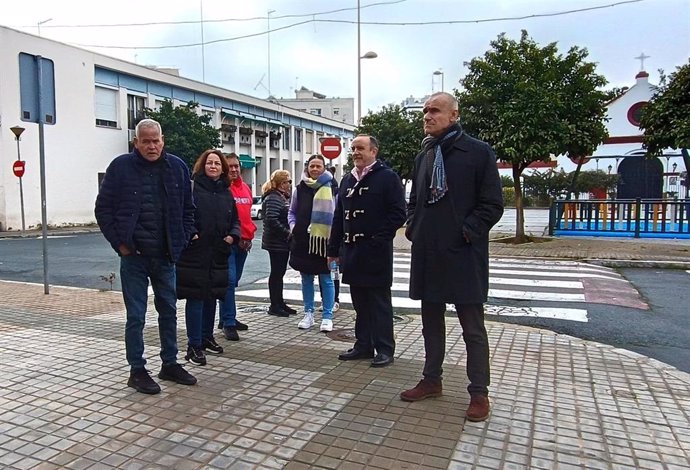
(432, 148)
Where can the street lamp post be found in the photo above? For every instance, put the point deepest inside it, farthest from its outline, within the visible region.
(368, 55)
(17, 131)
(203, 57)
(268, 34)
(439, 72)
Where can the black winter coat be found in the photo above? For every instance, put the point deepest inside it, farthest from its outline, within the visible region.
(367, 215)
(202, 271)
(276, 234)
(445, 267)
(300, 258)
(119, 201)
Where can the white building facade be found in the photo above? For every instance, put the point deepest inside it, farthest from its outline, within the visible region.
(317, 104)
(99, 99)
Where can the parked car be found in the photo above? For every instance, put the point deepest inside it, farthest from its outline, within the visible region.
(256, 209)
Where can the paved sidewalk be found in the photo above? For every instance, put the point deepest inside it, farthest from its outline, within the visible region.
(280, 398)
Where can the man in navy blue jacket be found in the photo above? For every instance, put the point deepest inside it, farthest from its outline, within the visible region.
(144, 209)
(370, 209)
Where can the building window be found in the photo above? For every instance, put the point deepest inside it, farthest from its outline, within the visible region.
(135, 110)
(315, 111)
(286, 138)
(105, 107)
(298, 140)
(635, 113)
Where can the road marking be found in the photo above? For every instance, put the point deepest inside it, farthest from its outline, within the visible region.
(571, 314)
(552, 274)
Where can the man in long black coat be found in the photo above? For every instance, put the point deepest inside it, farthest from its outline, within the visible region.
(370, 209)
(455, 199)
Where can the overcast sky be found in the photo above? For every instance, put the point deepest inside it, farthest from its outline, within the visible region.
(323, 55)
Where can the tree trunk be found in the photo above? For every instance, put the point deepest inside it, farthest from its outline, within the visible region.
(573, 181)
(519, 211)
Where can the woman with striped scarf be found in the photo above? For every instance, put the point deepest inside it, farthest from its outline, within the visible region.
(310, 218)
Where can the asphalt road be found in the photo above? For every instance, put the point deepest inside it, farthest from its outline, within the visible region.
(661, 332)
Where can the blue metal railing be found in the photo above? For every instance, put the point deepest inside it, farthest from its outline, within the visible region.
(639, 218)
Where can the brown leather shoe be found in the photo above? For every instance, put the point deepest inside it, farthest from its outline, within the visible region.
(478, 409)
(424, 389)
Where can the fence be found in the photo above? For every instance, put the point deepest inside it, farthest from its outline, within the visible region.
(639, 218)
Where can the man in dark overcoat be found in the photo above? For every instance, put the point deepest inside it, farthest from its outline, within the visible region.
(370, 209)
(455, 199)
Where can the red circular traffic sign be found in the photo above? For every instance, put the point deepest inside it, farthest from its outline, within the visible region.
(18, 168)
(331, 147)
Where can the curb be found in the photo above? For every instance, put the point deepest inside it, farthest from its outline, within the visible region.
(654, 264)
(38, 233)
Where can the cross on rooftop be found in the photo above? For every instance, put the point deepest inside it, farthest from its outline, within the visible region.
(641, 58)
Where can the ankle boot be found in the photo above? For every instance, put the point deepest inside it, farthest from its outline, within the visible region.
(424, 389)
(479, 408)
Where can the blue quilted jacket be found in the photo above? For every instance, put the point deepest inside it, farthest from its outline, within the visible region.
(119, 201)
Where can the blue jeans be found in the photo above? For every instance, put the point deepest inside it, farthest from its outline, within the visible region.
(199, 319)
(228, 307)
(327, 291)
(135, 272)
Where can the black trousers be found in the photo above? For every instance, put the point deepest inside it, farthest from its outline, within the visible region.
(476, 343)
(279, 261)
(374, 320)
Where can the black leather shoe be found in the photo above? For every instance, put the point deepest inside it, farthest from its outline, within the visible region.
(288, 309)
(382, 360)
(277, 311)
(239, 326)
(353, 355)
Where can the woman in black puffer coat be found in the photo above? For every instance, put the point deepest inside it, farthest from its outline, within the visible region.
(202, 271)
(276, 237)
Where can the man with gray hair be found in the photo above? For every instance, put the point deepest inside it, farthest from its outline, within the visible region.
(144, 209)
(455, 199)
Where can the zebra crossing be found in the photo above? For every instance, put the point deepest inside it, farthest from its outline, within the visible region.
(553, 289)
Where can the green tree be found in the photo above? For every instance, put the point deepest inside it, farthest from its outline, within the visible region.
(507, 181)
(595, 179)
(186, 133)
(399, 132)
(666, 118)
(531, 102)
(545, 186)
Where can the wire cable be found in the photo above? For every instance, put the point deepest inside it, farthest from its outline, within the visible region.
(406, 23)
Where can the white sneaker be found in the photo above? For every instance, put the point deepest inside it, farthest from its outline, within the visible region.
(336, 307)
(306, 322)
(326, 325)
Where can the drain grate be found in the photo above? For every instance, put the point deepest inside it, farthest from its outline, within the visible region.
(346, 335)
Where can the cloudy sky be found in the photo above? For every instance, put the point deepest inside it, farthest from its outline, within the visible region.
(313, 43)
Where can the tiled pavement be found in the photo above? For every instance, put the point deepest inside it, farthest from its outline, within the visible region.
(280, 398)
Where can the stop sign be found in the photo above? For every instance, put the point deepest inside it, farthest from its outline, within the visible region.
(18, 168)
(331, 147)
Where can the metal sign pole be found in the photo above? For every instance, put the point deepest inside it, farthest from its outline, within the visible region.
(42, 162)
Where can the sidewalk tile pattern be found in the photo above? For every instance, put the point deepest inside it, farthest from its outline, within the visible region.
(280, 398)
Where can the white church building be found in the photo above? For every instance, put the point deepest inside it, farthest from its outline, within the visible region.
(97, 102)
(625, 139)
